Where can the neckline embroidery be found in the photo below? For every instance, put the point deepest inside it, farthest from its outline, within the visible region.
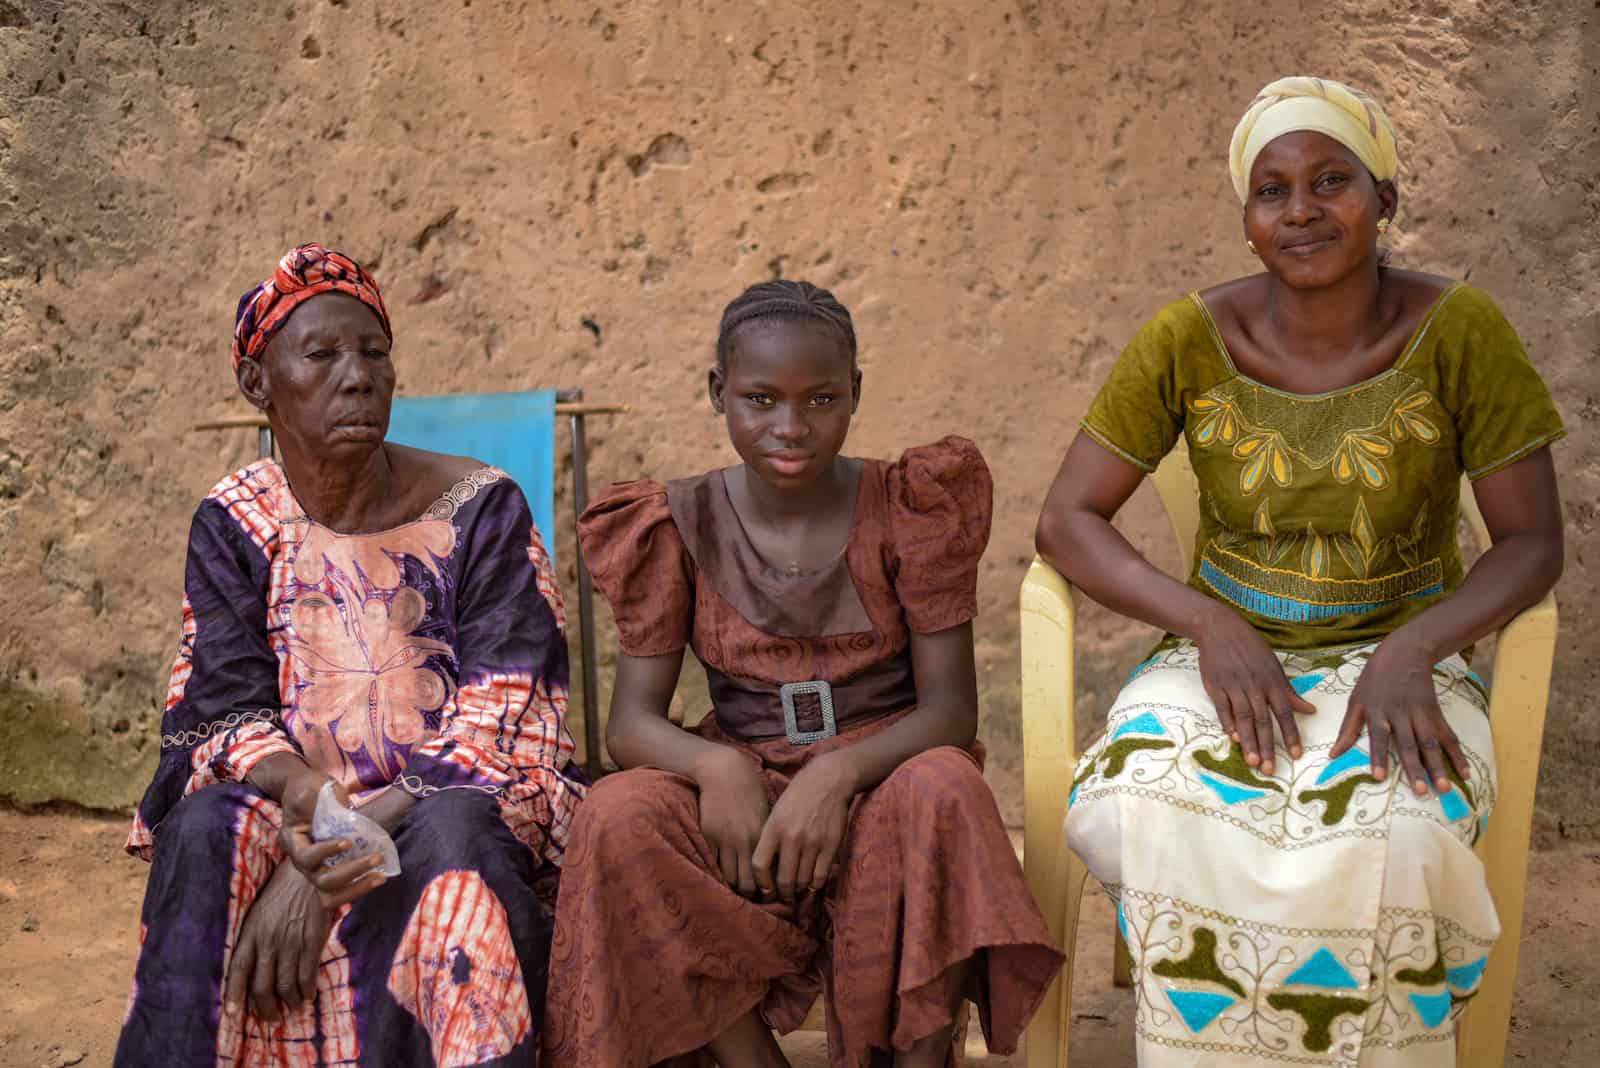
(445, 507)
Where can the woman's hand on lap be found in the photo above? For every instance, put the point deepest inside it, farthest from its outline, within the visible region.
(275, 960)
(733, 808)
(802, 836)
(1395, 701)
(336, 885)
(1245, 681)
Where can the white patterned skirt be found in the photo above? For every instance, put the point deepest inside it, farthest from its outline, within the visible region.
(1313, 916)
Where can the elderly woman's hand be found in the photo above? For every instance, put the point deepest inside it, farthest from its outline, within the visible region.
(275, 960)
(336, 885)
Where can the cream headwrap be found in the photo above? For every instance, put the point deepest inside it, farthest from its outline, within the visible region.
(1347, 115)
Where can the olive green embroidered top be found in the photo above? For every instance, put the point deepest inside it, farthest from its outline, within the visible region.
(1330, 518)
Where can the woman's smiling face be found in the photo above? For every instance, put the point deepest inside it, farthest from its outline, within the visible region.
(1313, 210)
(787, 391)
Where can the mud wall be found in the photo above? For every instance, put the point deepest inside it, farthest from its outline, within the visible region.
(1001, 191)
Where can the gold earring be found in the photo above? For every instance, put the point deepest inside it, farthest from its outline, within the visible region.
(1251, 245)
(1383, 226)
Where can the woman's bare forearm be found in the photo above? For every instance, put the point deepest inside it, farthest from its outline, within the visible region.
(944, 666)
(272, 775)
(389, 806)
(1096, 558)
(928, 726)
(1521, 506)
(1076, 537)
(1510, 577)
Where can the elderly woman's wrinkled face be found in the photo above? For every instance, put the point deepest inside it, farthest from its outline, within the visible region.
(326, 378)
(1313, 210)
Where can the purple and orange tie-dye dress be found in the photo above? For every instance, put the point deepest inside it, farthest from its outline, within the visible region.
(428, 658)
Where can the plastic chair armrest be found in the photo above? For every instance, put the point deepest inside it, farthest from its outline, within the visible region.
(1049, 742)
(1518, 698)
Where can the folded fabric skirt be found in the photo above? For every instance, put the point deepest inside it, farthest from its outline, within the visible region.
(1314, 916)
(655, 955)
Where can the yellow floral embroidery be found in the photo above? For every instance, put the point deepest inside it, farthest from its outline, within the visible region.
(1410, 549)
(1360, 547)
(1263, 520)
(1264, 454)
(1406, 420)
(1271, 546)
(1219, 421)
(1359, 455)
(1302, 441)
(1314, 557)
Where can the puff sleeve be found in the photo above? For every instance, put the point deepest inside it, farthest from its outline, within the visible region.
(639, 562)
(941, 500)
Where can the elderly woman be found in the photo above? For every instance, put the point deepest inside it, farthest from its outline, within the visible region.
(384, 619)
(1287, 896)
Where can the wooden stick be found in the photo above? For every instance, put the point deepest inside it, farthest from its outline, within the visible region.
(234, 422)
(586, 408)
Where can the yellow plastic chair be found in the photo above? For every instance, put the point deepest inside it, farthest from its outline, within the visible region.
(1519, 692)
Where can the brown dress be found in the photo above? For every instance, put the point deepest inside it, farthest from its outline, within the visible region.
(654, 955)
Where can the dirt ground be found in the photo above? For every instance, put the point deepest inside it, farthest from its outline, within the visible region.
(69, 913)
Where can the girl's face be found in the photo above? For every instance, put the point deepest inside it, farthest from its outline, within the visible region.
(1313, 210)
(788, 391)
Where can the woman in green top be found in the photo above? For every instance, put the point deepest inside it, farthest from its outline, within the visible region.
(1286, 897)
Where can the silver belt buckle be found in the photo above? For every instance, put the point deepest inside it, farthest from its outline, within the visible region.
(791, 724)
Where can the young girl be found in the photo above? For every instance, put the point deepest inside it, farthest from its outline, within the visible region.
(826, 827)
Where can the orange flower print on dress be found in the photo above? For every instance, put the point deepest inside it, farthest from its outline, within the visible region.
(322, 552)
(361, 677)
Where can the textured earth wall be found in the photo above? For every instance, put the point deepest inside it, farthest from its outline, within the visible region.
(1001, 191)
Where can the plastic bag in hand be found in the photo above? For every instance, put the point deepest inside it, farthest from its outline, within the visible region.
(334, 820)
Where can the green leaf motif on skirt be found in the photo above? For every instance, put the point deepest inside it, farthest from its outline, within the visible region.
(1319, 1011)
(1201, 963)
(1117, 753)
(1235, 768)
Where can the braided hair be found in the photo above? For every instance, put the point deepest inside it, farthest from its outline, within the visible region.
(784, 300)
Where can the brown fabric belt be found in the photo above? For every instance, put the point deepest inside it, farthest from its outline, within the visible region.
(752, 710)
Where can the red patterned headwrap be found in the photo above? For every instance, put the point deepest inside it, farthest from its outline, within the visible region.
(303, 273)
